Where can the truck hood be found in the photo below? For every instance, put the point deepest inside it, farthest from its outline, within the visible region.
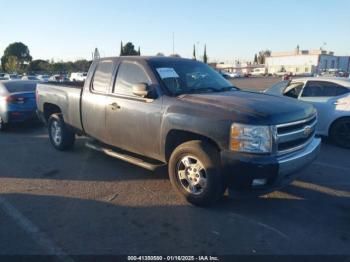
(247, 107)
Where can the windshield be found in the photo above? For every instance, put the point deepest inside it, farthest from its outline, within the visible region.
(186, 77)
(278, 87)
(14, 87)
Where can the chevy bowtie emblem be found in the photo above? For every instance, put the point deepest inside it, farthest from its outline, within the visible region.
(307, 130)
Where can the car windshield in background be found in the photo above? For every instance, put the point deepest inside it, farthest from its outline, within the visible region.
(280, 86)
(15, 87)
(186, 77)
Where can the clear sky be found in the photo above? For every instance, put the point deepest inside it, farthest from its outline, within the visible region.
(232, 29)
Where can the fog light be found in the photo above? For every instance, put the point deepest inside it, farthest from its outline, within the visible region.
(259, 182)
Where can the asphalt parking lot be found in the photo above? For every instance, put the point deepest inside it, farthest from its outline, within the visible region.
(84, 202)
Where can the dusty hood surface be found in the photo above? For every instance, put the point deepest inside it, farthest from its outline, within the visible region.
(247, 105)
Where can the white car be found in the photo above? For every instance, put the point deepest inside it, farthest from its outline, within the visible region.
(231, 74)
(331, 98)
(30, 77)
(78, 77)
(259, 72)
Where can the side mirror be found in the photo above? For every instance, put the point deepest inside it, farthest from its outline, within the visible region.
(140, 89)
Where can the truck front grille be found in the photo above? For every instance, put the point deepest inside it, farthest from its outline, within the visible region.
(296, 135)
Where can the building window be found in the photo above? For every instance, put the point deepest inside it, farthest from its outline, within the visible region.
(333, 64)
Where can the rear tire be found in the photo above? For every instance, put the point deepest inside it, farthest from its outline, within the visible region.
(340, 132)
(60, 136)
(199, 181)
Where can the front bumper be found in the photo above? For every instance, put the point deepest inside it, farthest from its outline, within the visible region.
(241, 170)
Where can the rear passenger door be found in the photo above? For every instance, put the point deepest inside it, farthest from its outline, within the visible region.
(94, 100)
(134, 123)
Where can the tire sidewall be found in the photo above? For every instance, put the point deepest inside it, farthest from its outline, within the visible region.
(334, 133)
(67, 137)
(208, 156)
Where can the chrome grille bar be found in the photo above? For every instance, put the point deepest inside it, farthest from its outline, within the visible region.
(296, 135)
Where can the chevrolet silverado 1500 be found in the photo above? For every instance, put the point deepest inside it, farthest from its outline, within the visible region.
(179, 113)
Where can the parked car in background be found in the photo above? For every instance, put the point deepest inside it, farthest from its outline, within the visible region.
(158, 112)
(333, 73)
(229, 75)
(224, 74)
(78, 77)
(259, 72)
(43, 78)
(17, 101)
(12, 77)
(59, 78)
(30, 77)
(331, 98)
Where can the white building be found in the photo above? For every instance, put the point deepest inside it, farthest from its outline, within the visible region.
(306, 62)
(245, 68)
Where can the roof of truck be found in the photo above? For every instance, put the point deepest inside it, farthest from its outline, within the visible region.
(150, 58)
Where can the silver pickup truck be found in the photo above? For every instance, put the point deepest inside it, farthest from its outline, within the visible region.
(160, 111)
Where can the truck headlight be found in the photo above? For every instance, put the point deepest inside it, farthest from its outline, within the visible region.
(251, 139)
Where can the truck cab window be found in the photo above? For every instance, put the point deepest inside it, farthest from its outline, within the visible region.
(129, 73)
(103, 76)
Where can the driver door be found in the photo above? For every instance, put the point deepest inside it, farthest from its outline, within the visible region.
(133, 123)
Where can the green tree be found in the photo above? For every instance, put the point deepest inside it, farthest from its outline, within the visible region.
(82, 65)
(12, 64)
(18, 50)
(262, 56)
(139, 52)
(39, 66)
(205, 57)
(129, 50)
(59, 67)
(194, 53)
(255, 59)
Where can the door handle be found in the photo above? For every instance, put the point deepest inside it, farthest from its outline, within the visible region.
(114, 106)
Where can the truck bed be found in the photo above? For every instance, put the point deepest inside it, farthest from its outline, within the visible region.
(66, 96)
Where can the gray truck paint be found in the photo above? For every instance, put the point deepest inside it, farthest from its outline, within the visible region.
(143, 125)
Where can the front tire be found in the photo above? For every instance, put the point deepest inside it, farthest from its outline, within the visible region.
(60, 136)
(194, 171)
(340, 133)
